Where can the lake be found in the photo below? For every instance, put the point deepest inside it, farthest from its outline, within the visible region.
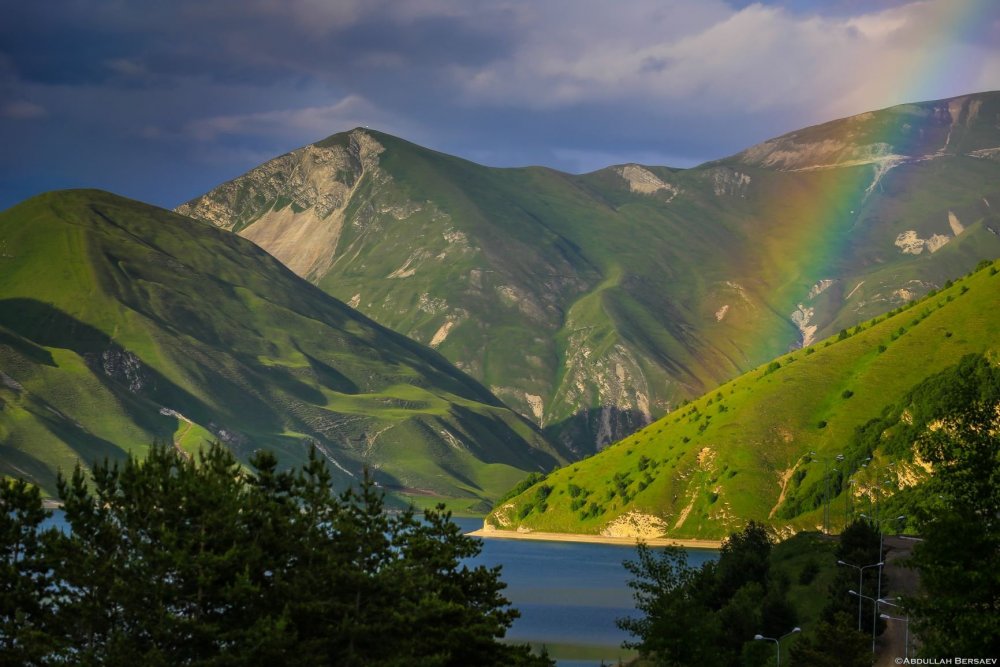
(569, 594)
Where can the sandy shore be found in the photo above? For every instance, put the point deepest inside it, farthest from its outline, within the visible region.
(487, 533)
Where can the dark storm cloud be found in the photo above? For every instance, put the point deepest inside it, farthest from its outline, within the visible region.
(162, 101)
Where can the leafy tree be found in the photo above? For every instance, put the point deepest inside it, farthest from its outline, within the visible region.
(956, 613)
(706, 616)
(676, 628)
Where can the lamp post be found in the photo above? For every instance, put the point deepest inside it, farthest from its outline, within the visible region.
(881, 536)
(874, 612)
(861, 573)
(906, 630)
(777, 642)
(826, 487)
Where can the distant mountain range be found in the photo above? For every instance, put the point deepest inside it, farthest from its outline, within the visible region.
(122, 324)
(593, 304)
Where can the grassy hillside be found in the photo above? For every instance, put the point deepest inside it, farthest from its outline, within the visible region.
(760, 447)
(593, 304)
(122, 324)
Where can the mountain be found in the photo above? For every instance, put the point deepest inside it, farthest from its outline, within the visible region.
(122, 324)
(593, 304)
(827, 429)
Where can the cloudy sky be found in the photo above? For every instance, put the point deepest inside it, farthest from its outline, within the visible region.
(161, 101)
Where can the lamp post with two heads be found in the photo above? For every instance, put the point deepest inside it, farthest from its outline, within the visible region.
(777, 642)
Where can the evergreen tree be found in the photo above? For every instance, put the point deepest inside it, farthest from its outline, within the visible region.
(24, 577)
(175, 560)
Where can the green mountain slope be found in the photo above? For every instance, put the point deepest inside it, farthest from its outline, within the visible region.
(122, 324)
(762, 446)
(593, 304)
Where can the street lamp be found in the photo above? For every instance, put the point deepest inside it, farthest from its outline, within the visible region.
(861, 574)
(874, 613)
(777, 642)
(906, 629)
(826, 487)
(881, 545)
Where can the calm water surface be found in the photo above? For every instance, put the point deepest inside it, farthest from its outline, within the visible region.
(569, 594)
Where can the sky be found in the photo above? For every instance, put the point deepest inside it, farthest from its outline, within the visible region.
(162, 101)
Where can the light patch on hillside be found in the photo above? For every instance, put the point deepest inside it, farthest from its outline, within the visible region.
(501, 515)
(720, 314)
(909, 243)
(802, 319)
(169, 412)
(882, 167)
(431, 305)
(645, 182)
(304, 242)
(511, 295)
(635, 525)
(407, 269)
(956, 226)
(740, 291)
(787, 154)
(442, 333)
(686, 511)
(986, 153)
(784, 477)
(728, 182)
(355, 300)
(455, 236)
(534, 402)
(819, 288)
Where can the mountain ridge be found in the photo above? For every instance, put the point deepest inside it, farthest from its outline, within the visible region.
(593, 303)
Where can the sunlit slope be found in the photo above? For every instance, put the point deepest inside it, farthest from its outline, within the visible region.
(122, 324)
(742, 451)
(592, 304)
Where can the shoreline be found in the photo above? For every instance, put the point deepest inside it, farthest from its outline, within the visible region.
(492, 533)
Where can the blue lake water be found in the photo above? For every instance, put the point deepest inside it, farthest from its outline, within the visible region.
(569, 594)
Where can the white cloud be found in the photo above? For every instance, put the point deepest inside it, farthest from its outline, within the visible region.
(698, 57)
